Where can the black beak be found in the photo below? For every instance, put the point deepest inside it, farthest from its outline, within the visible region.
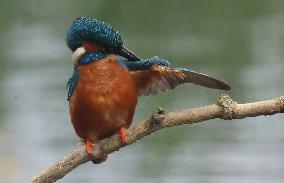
(124, 52)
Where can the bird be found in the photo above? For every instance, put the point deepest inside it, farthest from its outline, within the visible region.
(108, 79)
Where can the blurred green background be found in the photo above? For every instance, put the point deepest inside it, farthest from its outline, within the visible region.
(238, 41)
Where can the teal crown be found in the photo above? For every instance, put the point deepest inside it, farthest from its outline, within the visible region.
(85, 29)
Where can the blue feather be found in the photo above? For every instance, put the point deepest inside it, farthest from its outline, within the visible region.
(72, 83)
(91, 57)
(85, 29)
(144, 63)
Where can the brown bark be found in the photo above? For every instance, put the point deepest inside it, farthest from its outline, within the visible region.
(225, 108)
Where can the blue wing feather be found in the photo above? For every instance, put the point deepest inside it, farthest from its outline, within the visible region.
(72, 83)
(144, 63)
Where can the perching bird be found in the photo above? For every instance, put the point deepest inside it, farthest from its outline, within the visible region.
(108, 79)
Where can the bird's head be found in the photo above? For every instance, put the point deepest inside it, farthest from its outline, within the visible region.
(91, 35)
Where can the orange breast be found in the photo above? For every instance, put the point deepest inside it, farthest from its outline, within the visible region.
(103, 101)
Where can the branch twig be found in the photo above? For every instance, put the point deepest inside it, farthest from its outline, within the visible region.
(225, 108)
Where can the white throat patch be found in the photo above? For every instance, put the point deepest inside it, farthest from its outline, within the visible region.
(78, 54)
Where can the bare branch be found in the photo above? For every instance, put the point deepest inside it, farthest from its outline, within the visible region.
(225, 108)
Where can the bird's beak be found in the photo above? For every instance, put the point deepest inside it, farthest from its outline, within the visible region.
(124, 52)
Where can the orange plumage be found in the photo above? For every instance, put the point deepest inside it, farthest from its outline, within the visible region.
(104, 99)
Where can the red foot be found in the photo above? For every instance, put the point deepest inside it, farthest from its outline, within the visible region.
(122, 135)
(89, 147)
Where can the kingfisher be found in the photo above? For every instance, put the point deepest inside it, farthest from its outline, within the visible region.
(108, 79)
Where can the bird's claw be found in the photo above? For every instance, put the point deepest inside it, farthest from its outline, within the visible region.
(122, 135)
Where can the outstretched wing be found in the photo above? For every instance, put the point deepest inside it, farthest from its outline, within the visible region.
(161, 78)
(157, 75)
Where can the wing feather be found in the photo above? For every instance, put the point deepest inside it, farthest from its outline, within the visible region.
(161, 78)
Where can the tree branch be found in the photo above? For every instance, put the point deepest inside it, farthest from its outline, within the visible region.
(225, 108)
